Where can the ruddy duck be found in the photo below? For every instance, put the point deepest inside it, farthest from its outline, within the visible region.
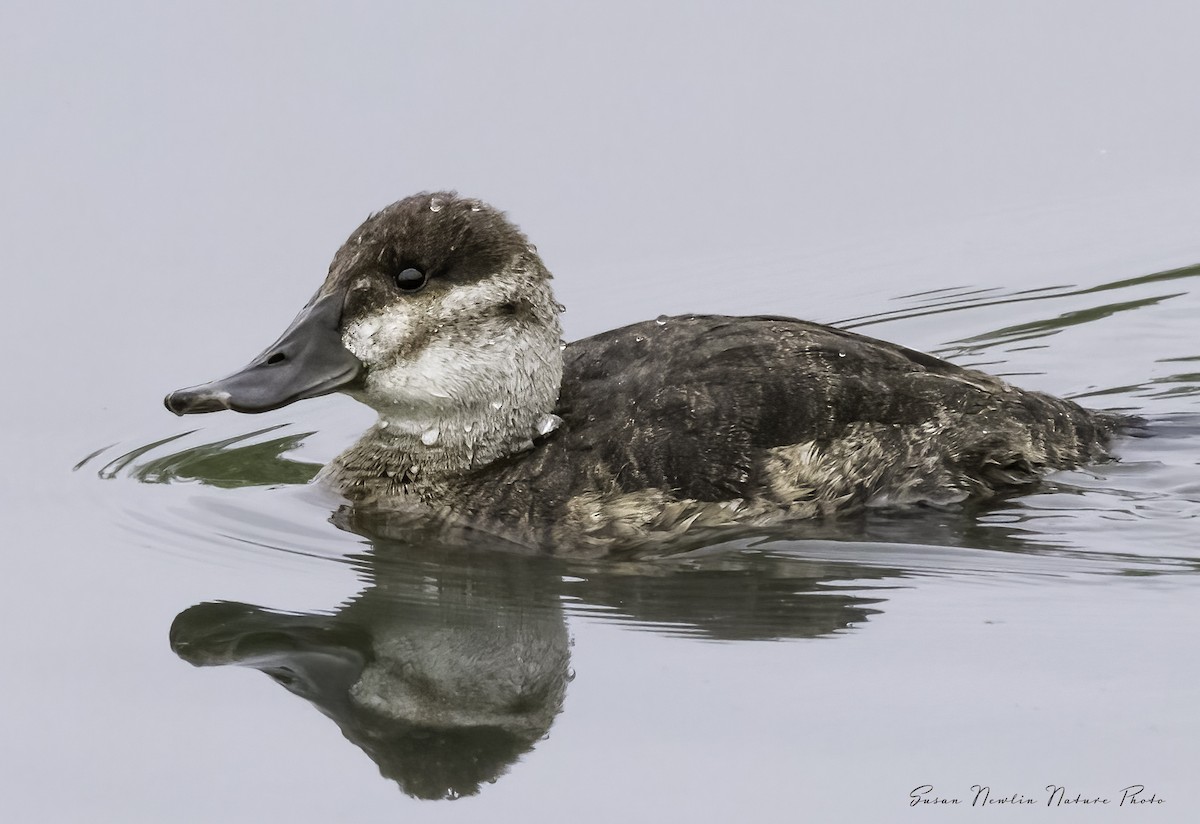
(438, 313)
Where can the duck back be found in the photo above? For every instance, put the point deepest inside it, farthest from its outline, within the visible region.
(700, 420)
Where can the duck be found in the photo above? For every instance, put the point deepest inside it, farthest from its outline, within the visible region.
(438, 313)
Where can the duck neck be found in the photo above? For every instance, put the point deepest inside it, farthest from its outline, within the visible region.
(414, 455)
(490, 402)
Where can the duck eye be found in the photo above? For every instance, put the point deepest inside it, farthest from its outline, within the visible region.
(410, 280)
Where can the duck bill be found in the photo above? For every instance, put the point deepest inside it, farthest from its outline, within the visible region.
(309, 360)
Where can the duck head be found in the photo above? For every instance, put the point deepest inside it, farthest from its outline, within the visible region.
(437, 309)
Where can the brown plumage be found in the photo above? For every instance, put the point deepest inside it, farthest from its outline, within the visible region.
(765, 419)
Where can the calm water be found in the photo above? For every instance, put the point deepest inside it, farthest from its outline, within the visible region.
(195, 633)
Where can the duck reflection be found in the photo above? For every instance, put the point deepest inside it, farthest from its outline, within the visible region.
(444, 674)
(453, 661)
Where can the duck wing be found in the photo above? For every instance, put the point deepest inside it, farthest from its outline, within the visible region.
(708, 406)
(710, 420)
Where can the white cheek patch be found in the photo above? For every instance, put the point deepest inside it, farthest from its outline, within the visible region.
(437, 373)
(417, 379)
(470, 353)
(373, 338)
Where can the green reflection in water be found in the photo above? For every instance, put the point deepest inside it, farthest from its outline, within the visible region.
(228, 463)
